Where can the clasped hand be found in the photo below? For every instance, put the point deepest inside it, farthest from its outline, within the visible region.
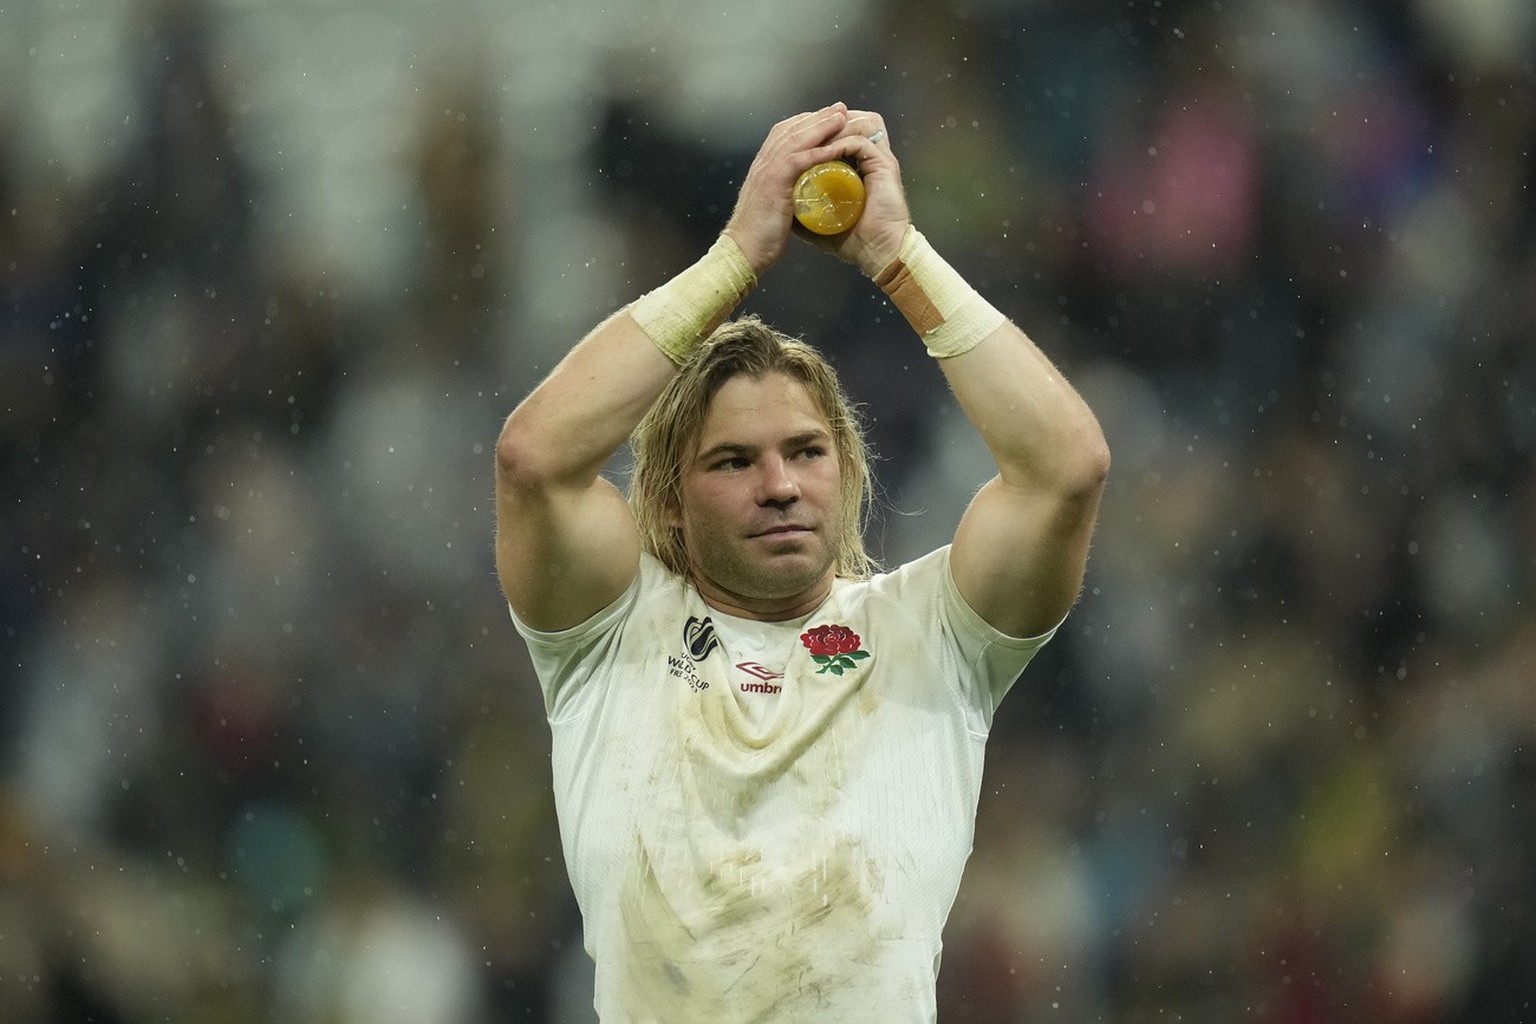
(763, 218)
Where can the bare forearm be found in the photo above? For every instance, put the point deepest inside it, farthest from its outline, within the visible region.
(573, 422)
(1035, 424)
(576, 419)
(1039, 430)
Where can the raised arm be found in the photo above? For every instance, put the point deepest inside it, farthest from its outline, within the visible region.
(566, 542)
(1021, 547)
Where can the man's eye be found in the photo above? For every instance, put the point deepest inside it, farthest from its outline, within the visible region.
(734, 462)
(813, 452)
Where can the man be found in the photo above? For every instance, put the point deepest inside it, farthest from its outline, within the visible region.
(767, 761)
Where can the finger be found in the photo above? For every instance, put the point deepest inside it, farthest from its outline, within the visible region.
(864, 138)
(866, 123)
(795, 120)
(823, 123)
(857, 148)
(798, 142)
(828, 123)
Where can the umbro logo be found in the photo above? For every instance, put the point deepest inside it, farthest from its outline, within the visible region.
(763, 674)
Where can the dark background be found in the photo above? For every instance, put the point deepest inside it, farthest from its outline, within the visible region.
(272, 274)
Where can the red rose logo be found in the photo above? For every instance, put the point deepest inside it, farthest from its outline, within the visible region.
(834, 648)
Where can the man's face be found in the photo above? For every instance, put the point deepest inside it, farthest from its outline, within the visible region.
(761, 510)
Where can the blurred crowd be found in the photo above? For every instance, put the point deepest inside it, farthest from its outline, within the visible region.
(270, 750)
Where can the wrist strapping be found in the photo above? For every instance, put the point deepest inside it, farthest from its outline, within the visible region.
(949, 315)
(680, 314)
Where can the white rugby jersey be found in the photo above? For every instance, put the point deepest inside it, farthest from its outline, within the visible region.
(768, 821)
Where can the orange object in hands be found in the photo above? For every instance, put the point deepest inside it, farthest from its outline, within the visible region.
(829, 198)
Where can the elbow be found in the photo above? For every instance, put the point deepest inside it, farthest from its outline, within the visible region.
(1095, 460)
(533, 457)
(1085, 470)
(521, 459)
(1073, 466)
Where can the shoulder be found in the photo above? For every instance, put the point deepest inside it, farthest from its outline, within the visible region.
(924, 593)
(921, 578)
(576, 666)
(654, 588)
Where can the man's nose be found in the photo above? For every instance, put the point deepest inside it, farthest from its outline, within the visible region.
(777, 483)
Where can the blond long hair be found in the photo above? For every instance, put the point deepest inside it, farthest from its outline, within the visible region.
(665, 437)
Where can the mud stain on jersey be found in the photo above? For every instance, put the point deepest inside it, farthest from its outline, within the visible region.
(741, 939)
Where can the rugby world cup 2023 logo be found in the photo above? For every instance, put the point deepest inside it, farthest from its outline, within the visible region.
(699, 640)
(699, 637)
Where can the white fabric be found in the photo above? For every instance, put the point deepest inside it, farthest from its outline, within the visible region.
(751, 835)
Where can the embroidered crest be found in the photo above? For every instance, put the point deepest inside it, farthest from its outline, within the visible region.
(835, 648)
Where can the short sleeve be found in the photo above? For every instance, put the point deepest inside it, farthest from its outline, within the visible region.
(982, 662)
(566, 661)
(996, 659)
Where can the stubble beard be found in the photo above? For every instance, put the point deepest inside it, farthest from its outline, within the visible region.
(731, 565)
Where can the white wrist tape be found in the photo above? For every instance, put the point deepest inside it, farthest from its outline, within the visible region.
(680, 314)
(949, 314)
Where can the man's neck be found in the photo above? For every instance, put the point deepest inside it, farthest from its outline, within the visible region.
(764, 609)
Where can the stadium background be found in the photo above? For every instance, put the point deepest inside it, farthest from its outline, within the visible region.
(272, 273)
